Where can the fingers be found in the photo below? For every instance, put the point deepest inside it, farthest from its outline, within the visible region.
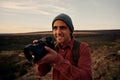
(35, 41)
(49, 49)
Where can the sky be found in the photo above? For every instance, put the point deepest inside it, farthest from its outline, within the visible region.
(21, 16)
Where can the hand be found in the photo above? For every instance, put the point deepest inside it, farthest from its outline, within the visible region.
(49, 57)
(35, 41)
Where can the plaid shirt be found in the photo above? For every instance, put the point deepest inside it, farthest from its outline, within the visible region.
(63, 68)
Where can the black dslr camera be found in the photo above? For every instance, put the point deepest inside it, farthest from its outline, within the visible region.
(34, 52)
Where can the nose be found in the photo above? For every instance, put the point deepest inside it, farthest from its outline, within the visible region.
(58, 31)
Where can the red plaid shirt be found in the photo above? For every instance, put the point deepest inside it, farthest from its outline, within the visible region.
(63, 68)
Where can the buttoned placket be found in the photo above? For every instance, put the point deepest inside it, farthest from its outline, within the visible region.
(63, 52)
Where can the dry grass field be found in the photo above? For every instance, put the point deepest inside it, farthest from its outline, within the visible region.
(105, 54)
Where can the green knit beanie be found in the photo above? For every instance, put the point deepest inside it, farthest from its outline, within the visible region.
(65, 18)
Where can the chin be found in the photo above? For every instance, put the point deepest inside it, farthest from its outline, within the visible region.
(60, 41)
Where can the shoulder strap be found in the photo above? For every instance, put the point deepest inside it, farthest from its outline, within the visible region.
(76, 53)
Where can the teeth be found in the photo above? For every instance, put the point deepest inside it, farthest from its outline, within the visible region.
(59, 36)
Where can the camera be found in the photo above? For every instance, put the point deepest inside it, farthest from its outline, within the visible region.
(34, 52)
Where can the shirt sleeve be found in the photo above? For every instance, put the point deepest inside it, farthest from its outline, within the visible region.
(43, 69)
(71, 72)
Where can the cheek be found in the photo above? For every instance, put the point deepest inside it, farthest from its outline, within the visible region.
(54, 34)
(68, 36)
(67, 33)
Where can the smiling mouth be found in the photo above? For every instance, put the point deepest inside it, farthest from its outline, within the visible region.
(59, 37)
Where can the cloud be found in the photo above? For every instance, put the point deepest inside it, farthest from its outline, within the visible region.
(44, 7)
(22, 7)
(15, 5)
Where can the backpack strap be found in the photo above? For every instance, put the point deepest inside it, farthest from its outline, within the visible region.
(76, 53)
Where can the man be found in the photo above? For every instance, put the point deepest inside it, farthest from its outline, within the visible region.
(60, 59)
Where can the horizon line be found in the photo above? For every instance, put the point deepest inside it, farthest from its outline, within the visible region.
(51, 31)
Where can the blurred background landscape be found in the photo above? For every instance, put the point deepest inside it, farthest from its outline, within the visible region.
(96, 22)
(105, 53)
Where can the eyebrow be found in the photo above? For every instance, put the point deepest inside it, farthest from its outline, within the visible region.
(59, 26)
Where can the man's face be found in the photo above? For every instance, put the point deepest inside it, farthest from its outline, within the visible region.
(61, 32)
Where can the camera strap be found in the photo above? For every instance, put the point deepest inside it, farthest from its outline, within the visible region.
(76, 52)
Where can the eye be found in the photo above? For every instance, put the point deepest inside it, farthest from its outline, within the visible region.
(54, 27)
(63, 27)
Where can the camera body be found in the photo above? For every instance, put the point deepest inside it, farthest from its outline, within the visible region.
(34, 52)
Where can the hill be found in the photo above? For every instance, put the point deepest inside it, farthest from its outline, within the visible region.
(105, 54)
(117, 31)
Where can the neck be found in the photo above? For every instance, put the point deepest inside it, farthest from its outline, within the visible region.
(65, 43)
